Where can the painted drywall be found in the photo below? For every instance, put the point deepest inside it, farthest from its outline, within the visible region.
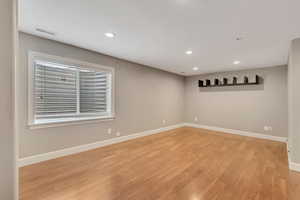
(246, 108)
(144, 98)
(6, 101)
(294, 101)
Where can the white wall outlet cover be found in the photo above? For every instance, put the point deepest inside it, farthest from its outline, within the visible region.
(118, 133)
(195, 119)
(109, 131)
(268, 128)
(164, 121)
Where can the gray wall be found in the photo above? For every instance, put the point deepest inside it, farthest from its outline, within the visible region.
(247, 108)
(294, 101)
(6, 101)
(144, 97)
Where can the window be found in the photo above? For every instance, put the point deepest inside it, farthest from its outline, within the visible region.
(63, 90)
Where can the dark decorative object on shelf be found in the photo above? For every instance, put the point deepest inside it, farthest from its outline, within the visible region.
(217, 82)
(246, 80)
(225, 81)
(234, 82)
(207, 82)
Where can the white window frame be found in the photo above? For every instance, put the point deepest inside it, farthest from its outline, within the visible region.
(36, 56)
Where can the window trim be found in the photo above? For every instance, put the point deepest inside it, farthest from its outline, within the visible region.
(32, 57)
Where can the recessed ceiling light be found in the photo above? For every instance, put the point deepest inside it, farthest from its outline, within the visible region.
(110, 35)
(236, 62)
(189, 52)
(195, 68)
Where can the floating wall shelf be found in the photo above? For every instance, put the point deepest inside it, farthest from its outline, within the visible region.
(224, 82)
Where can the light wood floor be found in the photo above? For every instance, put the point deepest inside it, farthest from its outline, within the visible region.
(186, 163)
(294, 188)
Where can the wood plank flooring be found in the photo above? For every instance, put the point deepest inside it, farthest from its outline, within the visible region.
(294, 187)
(185, 164)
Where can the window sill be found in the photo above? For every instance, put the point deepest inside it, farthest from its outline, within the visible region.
(69, 122)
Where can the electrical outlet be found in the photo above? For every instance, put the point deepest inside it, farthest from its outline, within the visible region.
(109, 131)
(118, 133)
(164, 121)
(268, 128)
(195, 119)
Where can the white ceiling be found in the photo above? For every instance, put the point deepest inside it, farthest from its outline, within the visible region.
(158, 32)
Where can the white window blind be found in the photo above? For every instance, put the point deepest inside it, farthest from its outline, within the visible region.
(93, 92)
(55, 91)
(64, 92)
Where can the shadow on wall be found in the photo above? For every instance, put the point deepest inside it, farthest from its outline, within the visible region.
(236, 88)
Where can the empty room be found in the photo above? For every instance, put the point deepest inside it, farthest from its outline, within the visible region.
(150, 100)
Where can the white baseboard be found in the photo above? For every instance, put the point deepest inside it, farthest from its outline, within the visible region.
(288, 154)
(294, 166)
(239, 132)
(73, 150)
